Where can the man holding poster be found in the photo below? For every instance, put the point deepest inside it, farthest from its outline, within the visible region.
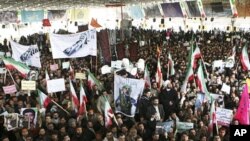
(126, 93)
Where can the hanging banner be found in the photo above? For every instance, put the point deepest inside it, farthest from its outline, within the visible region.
(233, 7)
(29, 55)
(200, 6)
(79, 14)
(55, 15)
(172, 9)
(126, 93)
(8, 17)
(32, 16)
(74, 45)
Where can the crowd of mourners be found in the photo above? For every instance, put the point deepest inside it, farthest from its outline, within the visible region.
(173, 104)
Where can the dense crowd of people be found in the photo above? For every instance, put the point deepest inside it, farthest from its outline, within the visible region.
(173, 105)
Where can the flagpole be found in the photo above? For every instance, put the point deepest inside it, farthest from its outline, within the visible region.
(60, 107)
(4, 79)
(86, 113)
(96, 68)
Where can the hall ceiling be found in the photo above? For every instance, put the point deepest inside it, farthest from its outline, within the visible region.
(8, 5)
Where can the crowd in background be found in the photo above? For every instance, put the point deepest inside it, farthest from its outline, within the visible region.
(173, 104)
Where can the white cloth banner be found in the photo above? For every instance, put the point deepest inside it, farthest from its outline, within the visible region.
(126, 93)
(74, 45)
(29, 55)
(56, 85)
(224, 116)
(184, 126)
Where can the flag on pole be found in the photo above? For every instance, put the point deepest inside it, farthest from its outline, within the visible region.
(93, 81)
(200, 81)
(212, 119)
(195, 55)
(71, 73)
(244, 58)
(12, 64)
(83, 101)
(74, 99)
(242, 113)
(147, 78)
(44, 100)
(158, 76)
(171, 64)
(108, 113)
(189, 77)
(46, 75)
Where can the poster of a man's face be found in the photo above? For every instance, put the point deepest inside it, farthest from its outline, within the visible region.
(30, 114)
(11, 121)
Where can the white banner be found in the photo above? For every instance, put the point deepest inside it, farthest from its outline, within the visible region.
(56, 85)
(74, 45)
(184, 126)
(29, 55)
(126, 93)
(224, 116)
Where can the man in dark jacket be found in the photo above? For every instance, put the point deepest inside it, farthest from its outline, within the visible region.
(144, 102)
(155, 111)
(169, 100)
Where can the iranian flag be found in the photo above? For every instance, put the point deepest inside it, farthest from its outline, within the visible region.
(74, 99)
(189, 77)
(195, 55)
(147, 78)
(44, 100)
(108, 113)
(171, 64)
(12, 64)
(71, 73)
(212, 119)
(158, 75)
(244, 58)
(83, 101)
(93, 81)
(200, 81)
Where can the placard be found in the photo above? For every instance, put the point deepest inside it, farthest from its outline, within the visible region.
(116, 64)
(56, 85)
(54, 67)
(65, 65)
(28, 85)
(80, 76)
(225, 88)
(9, 89)
(224, 116)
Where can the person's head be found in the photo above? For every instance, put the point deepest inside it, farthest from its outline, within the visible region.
(30, 113)
(184, 137)
(62, 129)
(138, 138)
(121, 137)
(235, 122)
(42, 132)
(155, 136)
(222, 132)
(62, 120)
(54, 136)
(124, 129)
(147, 93)
(66, 138)
(217, 138)
(48, 119)
(192, 132)
(24, 132)
(4, 138)
(132, 132)
(78, 130)
(50, 126)
(141, 126)
(155, 101)
(109, 135)
(203, 138)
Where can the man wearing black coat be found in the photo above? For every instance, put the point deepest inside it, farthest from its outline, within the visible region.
(155, 111)
(169, 100)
